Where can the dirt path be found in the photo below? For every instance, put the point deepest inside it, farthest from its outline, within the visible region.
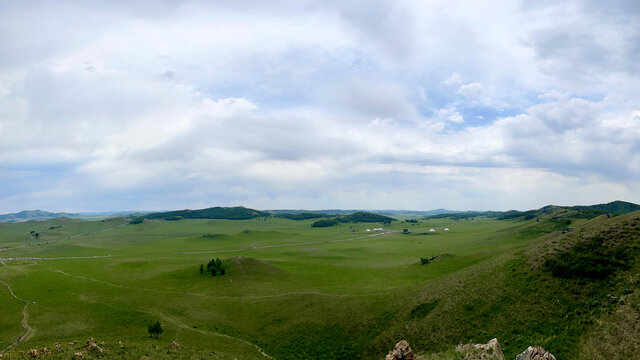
(246, 297)
(25, 320)
(178, 323)
(360, 238)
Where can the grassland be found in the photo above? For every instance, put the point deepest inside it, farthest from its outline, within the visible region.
(296, 292)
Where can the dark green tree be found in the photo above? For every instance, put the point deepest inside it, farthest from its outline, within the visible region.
(155, 329)
(201, 269)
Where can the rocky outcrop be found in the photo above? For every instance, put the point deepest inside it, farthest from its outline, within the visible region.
(488, 351)
(92, 346)
(535, 353)
(174, 345)
(402, 351)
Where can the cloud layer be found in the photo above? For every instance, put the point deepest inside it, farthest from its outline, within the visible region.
(383, 104)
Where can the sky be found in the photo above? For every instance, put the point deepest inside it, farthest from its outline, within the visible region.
(370, 104)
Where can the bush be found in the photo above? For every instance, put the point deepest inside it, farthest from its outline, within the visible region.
(155, 329)
(589, 260)
(325, 223)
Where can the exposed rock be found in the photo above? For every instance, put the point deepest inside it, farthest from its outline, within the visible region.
(174, 345)
(45, 351)
(402, 351)
(535, 353)
(78, 355)
(488, 351)
(33, 353)
(92, 346)
(57, 346)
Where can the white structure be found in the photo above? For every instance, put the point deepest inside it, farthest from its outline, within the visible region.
(378, 229)
(432, 230)
(446, 229)
(368, 230)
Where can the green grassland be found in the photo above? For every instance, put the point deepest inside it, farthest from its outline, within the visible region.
(293, 291)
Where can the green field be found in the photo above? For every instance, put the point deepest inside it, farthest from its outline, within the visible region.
(295, 292)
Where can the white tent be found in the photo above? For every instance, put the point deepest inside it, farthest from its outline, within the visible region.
(432, 230)
(446, 229)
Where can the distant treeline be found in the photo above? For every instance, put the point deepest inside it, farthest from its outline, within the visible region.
(228, 213)
(357, 217)
(576, 212)
(333, 217)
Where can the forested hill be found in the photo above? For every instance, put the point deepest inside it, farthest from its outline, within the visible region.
(581, 212)
(228, 213)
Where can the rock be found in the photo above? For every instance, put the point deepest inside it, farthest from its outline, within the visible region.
(78, 355)
(92, 346)
(488, 351)
(535, 353)
(57, 346)
(33, 353)
(402, 351)
(45, 351)
(174, 345)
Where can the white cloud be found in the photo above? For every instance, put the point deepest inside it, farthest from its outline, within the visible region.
(454, 80)
(472, 91)
(177, 105)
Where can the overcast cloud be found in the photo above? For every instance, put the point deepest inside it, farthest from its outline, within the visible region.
(318, 104)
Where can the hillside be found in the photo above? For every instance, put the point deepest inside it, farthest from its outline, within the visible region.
(228, 213)
(565, 283)
(33, 215)
(576, 212)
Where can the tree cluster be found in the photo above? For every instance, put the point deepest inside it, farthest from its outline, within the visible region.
(155, 329)
(214, 267)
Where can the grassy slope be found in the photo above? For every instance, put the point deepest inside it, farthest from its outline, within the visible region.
(322, 298)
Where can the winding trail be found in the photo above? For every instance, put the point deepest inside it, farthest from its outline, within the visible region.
(171, 319)
(175, 321)
(357, 238)
(243, 297)
(25, 318)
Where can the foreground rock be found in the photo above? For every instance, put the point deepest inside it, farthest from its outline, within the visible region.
(174, 345)
(488, 351)
(535, 353)
(402, 351)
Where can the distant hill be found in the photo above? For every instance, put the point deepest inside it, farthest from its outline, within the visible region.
(308, 214)
(549, 211)
(29, 215)
(228, 213)
(33, 215)
(616, 207)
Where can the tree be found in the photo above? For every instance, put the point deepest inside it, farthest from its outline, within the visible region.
(155, 329)
(222, 272)
(213, 271)
(201, 269)
(37, 235)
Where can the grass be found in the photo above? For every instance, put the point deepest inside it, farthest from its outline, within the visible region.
(299, 292)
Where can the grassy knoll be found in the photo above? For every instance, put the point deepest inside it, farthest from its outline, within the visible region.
(298, 292)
